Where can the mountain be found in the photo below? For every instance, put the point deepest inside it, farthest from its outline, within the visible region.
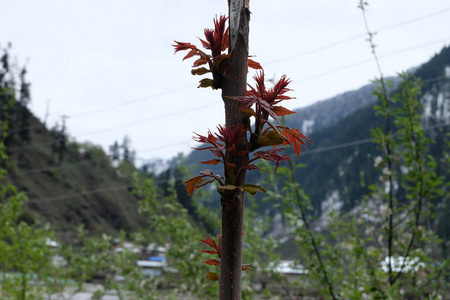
(81, 187)
(339, 166)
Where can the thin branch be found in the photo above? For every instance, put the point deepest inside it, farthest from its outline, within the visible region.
(311, 235)
(387, 144)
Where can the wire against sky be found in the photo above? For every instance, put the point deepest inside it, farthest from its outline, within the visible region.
(309, 152)
(15, 149)
(309, 52)
(355, 37)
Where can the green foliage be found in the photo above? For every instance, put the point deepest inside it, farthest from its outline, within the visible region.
(24, 253)
(347, 254)
(171, 220)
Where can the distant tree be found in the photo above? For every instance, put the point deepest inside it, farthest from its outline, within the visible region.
(128, 155)
(59, 144)
(114, 152)
(24, 114)
(17, 107)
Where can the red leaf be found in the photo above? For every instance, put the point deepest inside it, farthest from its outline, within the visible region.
(212, 276)
(272, 155)
(191, 53)
(246, 267)
(180, 46)
(206, 172)
(210, 242)
(282, 111)
(209, 251)
(191, 184)
(295, 138)
(211, 162)
(225, 40)
(212, 262)
(201, 61)
(252, 167)
(253, 64)
(205, 44)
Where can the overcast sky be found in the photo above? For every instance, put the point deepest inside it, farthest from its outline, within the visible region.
(109, 65)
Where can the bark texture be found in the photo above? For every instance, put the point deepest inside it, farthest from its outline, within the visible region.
(234, 84)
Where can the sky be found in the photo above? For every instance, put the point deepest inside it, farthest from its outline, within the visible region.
(109, 66)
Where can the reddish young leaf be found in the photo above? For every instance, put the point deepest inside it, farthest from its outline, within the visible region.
(231, 136)
(180, 46)
(212, 262)
(246, 267)
(252, 167)
(199, 181)
(201, 61)
(209, 251)
(191, 184)
(210, 242)
(254, 65)
(282, 111)
(295, 138)
(212, 276)
(272, 155)
(211, 162)
(225, 40)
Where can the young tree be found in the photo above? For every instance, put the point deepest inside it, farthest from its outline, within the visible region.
(237, 139)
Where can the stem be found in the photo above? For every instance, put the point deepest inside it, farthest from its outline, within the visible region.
(242, 168)
(418, 157)
(387, 145)
(234, 84)
(298, 198)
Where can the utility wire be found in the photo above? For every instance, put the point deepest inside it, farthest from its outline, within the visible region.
(194, 109)
(83, 114)
(86, 193)
(314, 51)
(355, 37)
(114, 188)
(371, 60)
(32, 146)
(87, 162)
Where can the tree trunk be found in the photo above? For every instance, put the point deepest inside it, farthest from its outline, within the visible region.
(234, 84)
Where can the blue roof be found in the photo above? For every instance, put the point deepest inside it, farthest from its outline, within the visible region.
(156, 258)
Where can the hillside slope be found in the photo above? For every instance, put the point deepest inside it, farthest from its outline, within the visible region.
(83, 189)
(339, 166)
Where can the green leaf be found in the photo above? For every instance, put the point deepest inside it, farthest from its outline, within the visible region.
(271, 138)
(200, 71)
(206, 82)
(228, 187)
(252, 189)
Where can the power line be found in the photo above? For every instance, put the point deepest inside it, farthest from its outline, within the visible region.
(194, 109)
(348, 66)
(313, 51)
(83, 114)
(355, 37)
(85, 193)
(32, 146)
(316, 50)
(91, 161)
(314, 151)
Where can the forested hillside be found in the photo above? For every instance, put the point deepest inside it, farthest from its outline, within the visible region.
(340, 165)
(68, 183)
